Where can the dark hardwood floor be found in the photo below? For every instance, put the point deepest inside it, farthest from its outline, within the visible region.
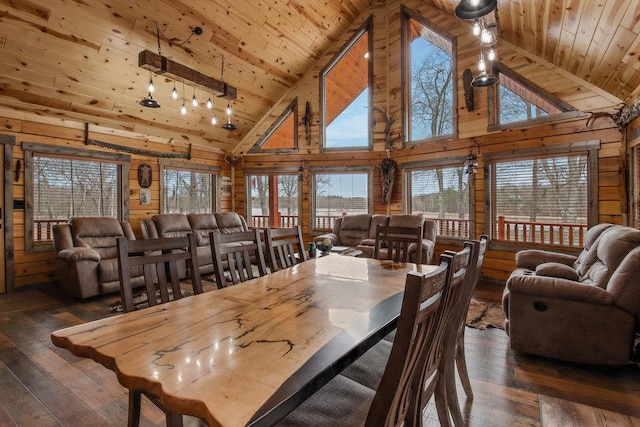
(42, 385)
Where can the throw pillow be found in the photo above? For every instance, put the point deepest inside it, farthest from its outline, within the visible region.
(555, 269)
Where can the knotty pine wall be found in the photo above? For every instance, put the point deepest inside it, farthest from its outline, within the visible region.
(40, 267)
(387, 89)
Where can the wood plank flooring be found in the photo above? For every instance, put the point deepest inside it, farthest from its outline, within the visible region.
(42, 385)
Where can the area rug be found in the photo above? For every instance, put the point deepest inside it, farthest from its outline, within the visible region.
(482, 315)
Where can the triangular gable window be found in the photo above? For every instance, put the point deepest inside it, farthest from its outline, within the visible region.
(516, 99)
(283, 134)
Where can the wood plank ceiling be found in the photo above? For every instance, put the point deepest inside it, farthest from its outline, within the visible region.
(78, 59)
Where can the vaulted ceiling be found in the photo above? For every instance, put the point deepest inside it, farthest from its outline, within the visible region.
(78, 59)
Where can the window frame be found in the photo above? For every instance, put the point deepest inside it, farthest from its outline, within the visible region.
(292, 109)
(493, 102)
(193, 167)
(450, 162)
(30, 149)
(587, 147)
(367, 27)
(247, 173)
(405, 60)
(317, 170)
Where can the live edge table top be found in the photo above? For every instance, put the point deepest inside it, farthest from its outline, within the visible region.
(247, 354)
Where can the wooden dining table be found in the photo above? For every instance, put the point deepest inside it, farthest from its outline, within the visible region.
(250, 353)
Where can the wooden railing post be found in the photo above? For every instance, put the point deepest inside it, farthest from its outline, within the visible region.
(501, 225)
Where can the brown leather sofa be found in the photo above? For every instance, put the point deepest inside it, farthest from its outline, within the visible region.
(581, 308)
(87, 255)
(173, 225)
(359, 231)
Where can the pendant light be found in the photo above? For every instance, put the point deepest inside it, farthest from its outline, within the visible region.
(149, 102)
(229, 125)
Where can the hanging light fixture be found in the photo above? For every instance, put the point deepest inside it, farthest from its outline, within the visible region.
(485, 27)
(174, 92)
(149, 102)
(183, 109)
(470, 165)
(194, 100)
(229, 125)
(472, 9)
(169, 69)
(151, 86)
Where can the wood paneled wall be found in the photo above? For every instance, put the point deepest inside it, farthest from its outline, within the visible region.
(40, 267)
(387, 92)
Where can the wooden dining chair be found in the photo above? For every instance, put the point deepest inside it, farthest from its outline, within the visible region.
(159, 260)
(344, 402)
(367, 369)
(457, 340)
(240, 255)
(397, 243)
(284, 247)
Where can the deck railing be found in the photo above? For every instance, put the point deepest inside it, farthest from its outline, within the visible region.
(42, 228)
(564, 234)
(262, 221)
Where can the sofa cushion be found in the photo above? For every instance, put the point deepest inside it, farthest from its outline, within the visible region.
(376, 220)
(406, 220)
(99, 234)
(172, 225)
(555, 269)
(612, 247)
(230, 222)
(202, 225)
(354, 228)
(588, 256)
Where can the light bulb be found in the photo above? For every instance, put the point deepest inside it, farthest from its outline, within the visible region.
(474, 3)
(209, 103)
(183, 110)
(174, 92)
(366, 55)
(228, 110)
(151, 87)
(214, 120)
(476, 28)
(482, 66)
(194, 101)
(487, 37)
(492, 54)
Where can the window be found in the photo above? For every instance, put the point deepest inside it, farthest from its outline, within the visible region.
(515, 99)
(282, 136)
(188, 188)
(338, 193)
(428, 70)
(265, 210)
(62, 183)
(346, 95)
(544, 198)
(441, 193)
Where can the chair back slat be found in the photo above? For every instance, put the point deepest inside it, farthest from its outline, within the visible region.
(158, 259)
(398, 243)
(284, 247)
(240, 255)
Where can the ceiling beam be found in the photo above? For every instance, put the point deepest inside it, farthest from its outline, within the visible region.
(162, 65)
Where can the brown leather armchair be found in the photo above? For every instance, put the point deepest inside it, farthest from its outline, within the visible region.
(581, 308)
(87, 255)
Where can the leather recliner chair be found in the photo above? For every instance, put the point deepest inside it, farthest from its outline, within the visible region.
(87, 255)
(581, 308)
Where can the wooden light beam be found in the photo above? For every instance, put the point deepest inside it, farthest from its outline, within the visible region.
(162, 65)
